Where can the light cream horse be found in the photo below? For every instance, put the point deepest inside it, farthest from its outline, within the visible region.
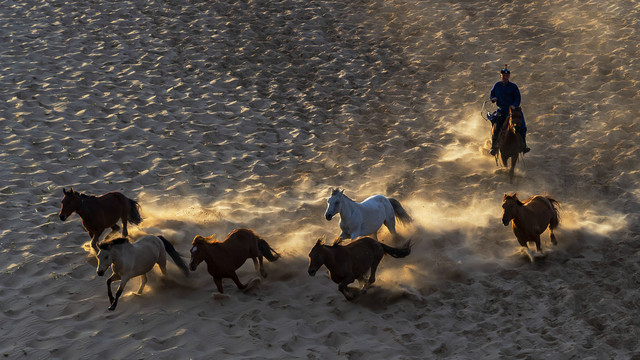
(365, 218)
(531, 218)
(129, 260)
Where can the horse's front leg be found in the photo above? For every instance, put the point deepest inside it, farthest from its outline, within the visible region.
(512, 168)
(94, 240)
(123, 282)
(218, 282)
(537, 241)
(344, 288)
(112, 278)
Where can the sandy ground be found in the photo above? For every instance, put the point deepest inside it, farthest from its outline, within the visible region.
(216, 115)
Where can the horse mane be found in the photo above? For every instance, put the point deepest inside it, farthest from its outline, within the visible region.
(205, 239)
(513, 196)
(106, 244)
(84, 196)
(337, 241)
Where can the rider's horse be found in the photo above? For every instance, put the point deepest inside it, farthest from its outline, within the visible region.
(510, 141)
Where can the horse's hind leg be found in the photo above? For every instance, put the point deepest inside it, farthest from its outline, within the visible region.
(143, 282)
(235, 279)
(552, 236)
(390, 223)
(372, 276)
(259, 265)
(124, 218)
(162, 263)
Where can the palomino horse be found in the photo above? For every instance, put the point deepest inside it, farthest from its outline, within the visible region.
(224, 258)
(365, 218)
(129, 260)
(531, 218)
(347, 263)
(510, 141)
(100, 212)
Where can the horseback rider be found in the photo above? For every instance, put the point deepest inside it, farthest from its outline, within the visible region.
(506, 95)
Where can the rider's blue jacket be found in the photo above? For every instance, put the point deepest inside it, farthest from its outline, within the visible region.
(507, 95)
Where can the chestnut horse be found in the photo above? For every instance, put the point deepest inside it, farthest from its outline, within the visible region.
(531, 218)
(129, 260)
(510, 141)
(100, 212)
(224, 258)
(347, 263)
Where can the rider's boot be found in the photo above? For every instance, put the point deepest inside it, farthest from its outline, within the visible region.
(525, 149)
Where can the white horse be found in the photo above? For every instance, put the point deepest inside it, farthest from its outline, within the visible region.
(365, 218)
(129, 260)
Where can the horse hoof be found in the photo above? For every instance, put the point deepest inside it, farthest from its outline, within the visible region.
(218, 296)
(251, 284)
(111, 308)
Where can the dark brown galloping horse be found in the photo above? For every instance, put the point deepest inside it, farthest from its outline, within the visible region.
(100, 212)
(531, 218)
(224, 258)
(347, 263)
(509, 141)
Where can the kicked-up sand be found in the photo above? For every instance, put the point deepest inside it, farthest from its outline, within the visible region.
(216, 115)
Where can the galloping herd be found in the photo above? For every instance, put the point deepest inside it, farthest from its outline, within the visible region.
(359, 222)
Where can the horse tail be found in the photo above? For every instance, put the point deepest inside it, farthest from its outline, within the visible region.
(267, 251)
(397, 252)
(555, 220)
(134, 212)
(400, 212)
(174, 255)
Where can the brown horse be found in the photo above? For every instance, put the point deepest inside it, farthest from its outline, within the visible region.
(531, 218)
(100, 212)
(224, 258)
(347, 263)
(509, 141)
